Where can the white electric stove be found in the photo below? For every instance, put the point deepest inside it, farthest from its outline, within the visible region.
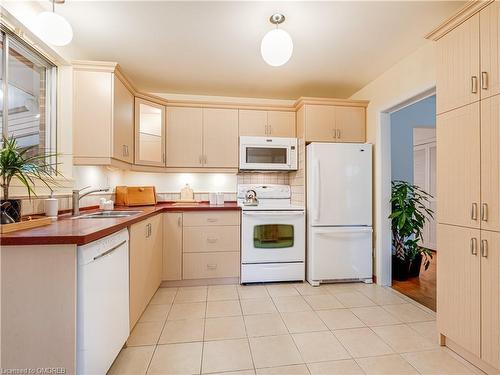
(272, 235)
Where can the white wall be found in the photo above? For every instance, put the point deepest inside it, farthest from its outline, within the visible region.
(412, 76)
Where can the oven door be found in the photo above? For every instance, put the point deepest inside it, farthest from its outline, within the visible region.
(273, 236)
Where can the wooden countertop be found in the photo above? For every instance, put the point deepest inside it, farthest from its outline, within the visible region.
(69, 230)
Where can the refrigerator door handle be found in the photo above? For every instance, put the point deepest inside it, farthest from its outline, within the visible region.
(317, 183)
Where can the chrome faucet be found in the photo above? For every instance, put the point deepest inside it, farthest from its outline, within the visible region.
(75, 207)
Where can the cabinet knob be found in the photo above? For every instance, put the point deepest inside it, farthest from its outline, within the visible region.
(473, 246)
(211, 266)
(484, 248)
(473, 211)
(211, 240)
(474, 84)
(484, 212)
(212, 220)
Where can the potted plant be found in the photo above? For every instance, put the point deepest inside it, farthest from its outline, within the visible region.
(28, 166)
(409, 215)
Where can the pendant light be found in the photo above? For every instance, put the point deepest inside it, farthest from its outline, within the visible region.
(277, 46)
(53, 28)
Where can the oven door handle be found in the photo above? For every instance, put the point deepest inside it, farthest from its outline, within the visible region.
(275, 213)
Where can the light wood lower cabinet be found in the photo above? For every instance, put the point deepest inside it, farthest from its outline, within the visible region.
(172, 246)
(211, 265)
(459, 286)
(201, 244)
(146, 242)
(490, 298)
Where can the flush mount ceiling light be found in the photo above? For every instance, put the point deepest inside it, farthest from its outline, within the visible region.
(53, 28)
(277, 46)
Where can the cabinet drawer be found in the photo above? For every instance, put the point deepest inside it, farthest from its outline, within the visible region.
(211, 239)
(211, 265)
(195, 219)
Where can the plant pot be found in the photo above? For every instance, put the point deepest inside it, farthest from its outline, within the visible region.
(415, 266)
(13, 210)
(400, 269)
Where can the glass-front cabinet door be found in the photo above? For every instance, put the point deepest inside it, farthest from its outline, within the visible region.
(149, 133)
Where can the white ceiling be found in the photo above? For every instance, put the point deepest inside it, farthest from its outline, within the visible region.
(213, 48)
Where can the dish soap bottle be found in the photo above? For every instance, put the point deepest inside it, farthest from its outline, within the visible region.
(187, 194)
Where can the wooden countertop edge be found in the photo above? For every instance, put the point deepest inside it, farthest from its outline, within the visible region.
(18, 239)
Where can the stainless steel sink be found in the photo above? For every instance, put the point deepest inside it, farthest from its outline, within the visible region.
(108, 214)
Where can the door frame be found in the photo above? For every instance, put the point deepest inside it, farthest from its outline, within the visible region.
(382, 182)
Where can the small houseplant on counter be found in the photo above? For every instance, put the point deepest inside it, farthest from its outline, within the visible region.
(26, 165)
(409, 215)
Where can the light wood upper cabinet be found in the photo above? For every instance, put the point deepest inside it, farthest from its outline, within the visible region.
(324, 123)
(202, 137)
(149, 133)
(490, 298)
(220, 138)
(252, 122)
(266, 123)
(458, 166)
(350, 124)
(281, 124)
(490, 50)
(490, 163)
(459, 286)
(145, 252)
(184, 137)
(172, 246)
(123, 122)
(458, 73)
(106, 131)
(319, 123)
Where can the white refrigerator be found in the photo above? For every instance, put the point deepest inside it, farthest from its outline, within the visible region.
(339, 212)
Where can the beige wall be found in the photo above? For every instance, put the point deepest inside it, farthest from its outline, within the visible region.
(409, 78)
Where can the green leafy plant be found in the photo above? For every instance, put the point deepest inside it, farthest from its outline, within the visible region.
(25, 164)
(409, 215)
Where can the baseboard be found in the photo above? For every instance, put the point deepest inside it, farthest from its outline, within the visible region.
(471, 358)
(200, 282)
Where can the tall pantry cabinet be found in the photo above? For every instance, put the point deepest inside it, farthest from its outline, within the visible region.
(468, 184)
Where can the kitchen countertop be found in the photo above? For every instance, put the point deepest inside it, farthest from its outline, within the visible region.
(68, 230)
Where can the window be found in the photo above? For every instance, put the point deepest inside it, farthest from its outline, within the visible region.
(27, 95)
(273, 236)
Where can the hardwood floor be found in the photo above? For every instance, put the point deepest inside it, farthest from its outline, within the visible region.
(421, 289)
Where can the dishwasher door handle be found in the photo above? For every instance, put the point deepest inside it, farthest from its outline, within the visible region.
(110, 250)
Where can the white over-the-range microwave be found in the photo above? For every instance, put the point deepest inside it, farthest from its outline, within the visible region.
(268, 154)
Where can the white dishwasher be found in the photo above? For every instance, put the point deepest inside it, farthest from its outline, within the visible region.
(102, 302)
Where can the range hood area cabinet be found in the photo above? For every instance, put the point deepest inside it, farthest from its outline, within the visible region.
(332, 123)
(202, 137)
(103, 116)
(258, 123)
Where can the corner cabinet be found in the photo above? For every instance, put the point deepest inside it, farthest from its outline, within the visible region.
(103, 115)
(145, 252)
(332, 123)
(266, 123)
(202, 137)
(149, 133)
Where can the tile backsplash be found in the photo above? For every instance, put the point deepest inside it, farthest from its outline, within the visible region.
(263, 178)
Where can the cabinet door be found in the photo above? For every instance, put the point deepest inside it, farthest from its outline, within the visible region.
(138, 268)
(220, 138)
(320, 123)
(458, 166)
(184, 137)
(459, 286)
(490, 163)
(252, 123)
(281, 124)
(149, 133)
(458, 78)
(123, 122)
(350, 124)
(92, 113)
(490, 50)
(490, 298)
(172, 246)
(155, 240)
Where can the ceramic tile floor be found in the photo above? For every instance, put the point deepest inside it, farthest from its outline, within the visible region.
(289, 329)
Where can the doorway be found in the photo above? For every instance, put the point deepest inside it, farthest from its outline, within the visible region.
(413, 160)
